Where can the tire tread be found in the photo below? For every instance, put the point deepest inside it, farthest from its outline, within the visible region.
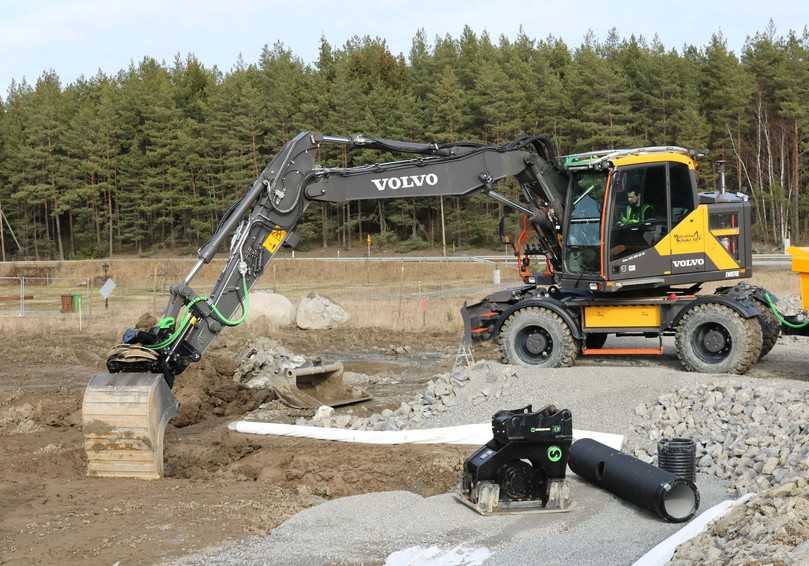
(751, 348)
(568, 344)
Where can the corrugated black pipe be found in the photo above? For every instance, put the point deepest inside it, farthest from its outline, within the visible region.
(664, 494)
(678, 456)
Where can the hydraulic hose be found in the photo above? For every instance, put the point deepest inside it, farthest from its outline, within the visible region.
(186, 318)
(780, 317)
(245, 303)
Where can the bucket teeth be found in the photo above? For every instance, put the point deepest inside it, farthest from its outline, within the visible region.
(124, 418)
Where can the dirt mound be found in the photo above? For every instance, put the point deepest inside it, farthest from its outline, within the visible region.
(207, 389)
(217, 454)
(325, 469)
(28, 413)
(335, 470)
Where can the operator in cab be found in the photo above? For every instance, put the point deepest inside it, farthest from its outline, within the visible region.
(636, 211)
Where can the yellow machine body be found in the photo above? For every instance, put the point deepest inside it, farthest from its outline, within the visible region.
(622, 316)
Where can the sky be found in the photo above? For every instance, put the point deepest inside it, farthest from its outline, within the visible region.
(80, 37)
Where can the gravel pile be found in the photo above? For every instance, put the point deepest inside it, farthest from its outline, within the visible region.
(770, 528)
(263, 358)
(789, 304)
(753, 436)
(447, 392)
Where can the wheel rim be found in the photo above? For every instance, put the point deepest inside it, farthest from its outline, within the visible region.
(534, 344)
(712, 342)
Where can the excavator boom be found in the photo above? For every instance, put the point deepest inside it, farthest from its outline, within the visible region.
(258, 225)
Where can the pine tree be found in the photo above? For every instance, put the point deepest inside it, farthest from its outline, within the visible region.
(601, 115)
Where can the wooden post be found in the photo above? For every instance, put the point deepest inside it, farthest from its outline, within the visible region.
(443, 228)
(2, 241)
(154, 289)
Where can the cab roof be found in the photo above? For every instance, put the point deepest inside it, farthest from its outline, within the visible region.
(604, 159)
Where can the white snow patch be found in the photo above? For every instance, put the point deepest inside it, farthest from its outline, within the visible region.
(461, 555)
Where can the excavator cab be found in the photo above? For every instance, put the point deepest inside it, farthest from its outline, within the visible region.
(634, 219)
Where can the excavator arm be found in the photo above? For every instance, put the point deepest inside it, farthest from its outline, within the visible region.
(264, 220)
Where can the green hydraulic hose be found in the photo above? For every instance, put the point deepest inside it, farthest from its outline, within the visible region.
(245, 302)
(186, 319)
(780, 317)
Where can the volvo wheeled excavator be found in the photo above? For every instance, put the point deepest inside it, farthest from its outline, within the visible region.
(625, 241)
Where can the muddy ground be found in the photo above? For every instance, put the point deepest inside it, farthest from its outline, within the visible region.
(221, 486)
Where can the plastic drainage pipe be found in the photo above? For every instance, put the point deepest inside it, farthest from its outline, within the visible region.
(678, 456)
(664, 494)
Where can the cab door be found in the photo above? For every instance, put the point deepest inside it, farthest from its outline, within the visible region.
(640, 218)
(685, 245)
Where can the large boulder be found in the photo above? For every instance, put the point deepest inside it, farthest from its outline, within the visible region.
(279, 310)
(319, 313)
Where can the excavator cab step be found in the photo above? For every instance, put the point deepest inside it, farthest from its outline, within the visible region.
(124, 418)
(656, 351)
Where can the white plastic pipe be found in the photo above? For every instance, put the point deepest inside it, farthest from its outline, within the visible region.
(471, 434)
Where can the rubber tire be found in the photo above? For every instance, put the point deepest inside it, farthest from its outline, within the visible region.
(770, 328)
(595, 341)
(565, 347)
(745, 334)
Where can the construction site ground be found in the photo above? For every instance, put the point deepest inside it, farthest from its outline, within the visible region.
(224, 487)
(221, 485)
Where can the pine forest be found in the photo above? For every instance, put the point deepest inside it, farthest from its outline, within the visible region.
(149, 158)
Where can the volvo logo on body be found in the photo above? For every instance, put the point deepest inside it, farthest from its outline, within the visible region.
(688, 262)
(406, 182)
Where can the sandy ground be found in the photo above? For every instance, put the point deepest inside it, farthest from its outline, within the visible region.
(221, 487)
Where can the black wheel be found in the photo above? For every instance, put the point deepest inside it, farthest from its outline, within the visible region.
(713, 338)
(770, 328)
(536, 336)
(595, 341)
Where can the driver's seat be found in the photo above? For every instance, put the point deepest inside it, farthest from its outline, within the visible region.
(653, 234)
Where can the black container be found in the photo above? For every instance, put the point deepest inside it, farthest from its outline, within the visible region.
(669, 497)
(678, 456)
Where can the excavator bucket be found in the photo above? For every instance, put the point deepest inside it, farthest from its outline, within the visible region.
(313, 386)
(124, 417)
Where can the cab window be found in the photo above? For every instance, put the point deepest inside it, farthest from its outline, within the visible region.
(682, 193)
(583, 244)
(640, 211)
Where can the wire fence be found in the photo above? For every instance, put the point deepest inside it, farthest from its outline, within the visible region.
(25, 296)
(43, 295)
